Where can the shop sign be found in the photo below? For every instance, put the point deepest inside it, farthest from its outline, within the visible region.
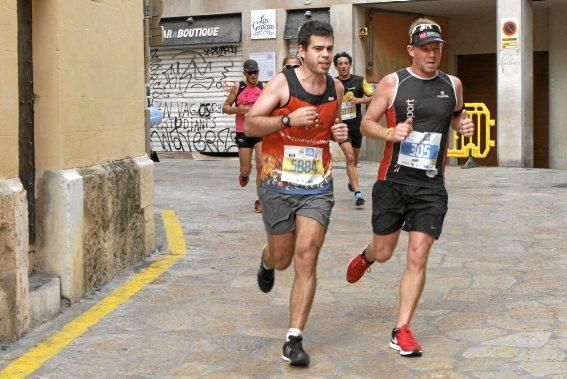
(263, 24)
(198, 30)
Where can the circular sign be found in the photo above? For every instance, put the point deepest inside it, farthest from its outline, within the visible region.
(509, 28)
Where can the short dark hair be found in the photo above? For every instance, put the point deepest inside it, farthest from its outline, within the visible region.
(313, 28)
(344, 54)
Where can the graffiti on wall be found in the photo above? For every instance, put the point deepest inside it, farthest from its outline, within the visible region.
(190, 91)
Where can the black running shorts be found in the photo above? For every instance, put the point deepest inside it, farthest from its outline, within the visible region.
(354, 137)
(244, 142)
(420, 209)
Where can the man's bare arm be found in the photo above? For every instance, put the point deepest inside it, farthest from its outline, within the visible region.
(228, 107)
(339, 130)
(340, 90)
(259, 123)
(370, 125)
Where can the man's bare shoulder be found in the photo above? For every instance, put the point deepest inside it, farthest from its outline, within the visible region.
(338, 83)
(455, 80)
(390, 79)
(275, 92)
(277, 80)
(387, 84)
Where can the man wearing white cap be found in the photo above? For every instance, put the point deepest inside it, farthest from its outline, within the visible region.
(421, 104)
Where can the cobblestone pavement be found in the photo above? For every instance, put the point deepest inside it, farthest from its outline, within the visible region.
(493, 306)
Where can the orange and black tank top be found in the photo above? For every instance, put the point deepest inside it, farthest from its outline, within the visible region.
(419, 160)
(298, 160)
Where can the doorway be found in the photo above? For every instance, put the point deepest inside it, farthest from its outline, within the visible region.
(479, 77)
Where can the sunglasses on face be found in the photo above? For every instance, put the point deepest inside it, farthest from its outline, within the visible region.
(290, 66)
(252, 72)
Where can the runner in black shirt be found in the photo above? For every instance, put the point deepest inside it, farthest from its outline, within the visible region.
(357, 91)
(420, 104)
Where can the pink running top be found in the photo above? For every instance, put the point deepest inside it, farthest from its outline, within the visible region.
(247, 97)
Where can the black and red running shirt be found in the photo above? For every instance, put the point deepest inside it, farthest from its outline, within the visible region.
(297, 152)
(431, 103)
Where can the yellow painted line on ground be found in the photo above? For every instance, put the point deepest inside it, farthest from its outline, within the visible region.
(38, 355)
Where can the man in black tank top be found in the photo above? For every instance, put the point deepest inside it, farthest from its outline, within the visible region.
(357, 92)
(420, 103)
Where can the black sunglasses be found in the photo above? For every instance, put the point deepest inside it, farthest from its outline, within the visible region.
(290, 66)
(252, 72)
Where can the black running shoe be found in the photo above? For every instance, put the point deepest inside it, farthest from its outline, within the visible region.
(293, 352)
(265, 278)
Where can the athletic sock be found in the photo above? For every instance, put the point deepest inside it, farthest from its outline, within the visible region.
(264, 264)
(364, 256)
(293, 332)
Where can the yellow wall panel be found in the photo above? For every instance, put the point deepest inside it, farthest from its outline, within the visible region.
(97, 86)
(8, 154)
(8, 91)
(81, 147)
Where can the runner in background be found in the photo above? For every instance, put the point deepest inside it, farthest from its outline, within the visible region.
(239, 100)
(357, 92)
(291, 61)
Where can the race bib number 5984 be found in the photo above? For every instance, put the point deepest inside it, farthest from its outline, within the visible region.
(302, 165)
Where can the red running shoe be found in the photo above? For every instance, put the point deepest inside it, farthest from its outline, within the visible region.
(357, 267)
(404, 342)
(243, 180)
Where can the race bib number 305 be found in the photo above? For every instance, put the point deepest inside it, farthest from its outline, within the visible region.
(420, 150)
(303, 165)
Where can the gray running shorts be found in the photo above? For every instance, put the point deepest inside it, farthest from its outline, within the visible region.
(279, 210)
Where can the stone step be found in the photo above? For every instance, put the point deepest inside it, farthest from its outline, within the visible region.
(45, 298)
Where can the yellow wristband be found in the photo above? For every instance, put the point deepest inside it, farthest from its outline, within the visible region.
(390, 130)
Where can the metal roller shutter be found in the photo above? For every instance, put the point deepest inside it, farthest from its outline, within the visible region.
(292, 48)
(190, 84)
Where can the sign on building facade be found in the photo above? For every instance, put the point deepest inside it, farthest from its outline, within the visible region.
(263, 24)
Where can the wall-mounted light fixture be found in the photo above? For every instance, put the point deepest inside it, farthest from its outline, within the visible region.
(190, 20)
(308, 14)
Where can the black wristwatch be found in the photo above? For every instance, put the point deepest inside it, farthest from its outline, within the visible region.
(286, 122)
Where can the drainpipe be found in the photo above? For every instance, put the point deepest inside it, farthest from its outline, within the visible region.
(369, 44)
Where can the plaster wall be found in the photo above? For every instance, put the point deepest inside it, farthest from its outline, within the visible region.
(8, 90)
(89, 82)
(515, 89)
(557, 88)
